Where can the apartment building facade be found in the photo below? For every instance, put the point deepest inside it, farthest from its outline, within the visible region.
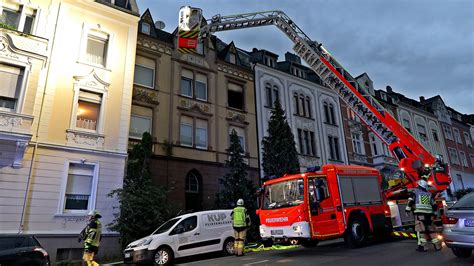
(64, 116)
(191, 103)
(312, 110)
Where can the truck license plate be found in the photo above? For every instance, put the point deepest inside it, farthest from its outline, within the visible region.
(469, 223)
(276, 232)
(128, 255)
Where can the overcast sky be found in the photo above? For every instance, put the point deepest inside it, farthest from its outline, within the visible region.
(418, 47)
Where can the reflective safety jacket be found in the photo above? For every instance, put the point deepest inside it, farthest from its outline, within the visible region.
(93, 234)
(240, 217)
(422, 202)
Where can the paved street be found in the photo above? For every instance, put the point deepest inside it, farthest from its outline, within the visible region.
(332, 253)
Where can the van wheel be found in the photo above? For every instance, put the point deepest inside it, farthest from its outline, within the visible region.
(228, 248)
(462, 252)
(357, 232)
(163, 256)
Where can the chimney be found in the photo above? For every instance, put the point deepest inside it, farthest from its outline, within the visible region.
(389, 89)
(422, 99)
(292, 58)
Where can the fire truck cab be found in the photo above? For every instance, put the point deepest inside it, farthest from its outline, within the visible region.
(335, 201)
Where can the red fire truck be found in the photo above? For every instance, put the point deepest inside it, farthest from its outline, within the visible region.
(355, 206)
(324, 204)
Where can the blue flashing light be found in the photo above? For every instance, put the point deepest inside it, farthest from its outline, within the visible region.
(313, 169)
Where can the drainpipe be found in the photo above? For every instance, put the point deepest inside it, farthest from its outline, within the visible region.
(35, 147)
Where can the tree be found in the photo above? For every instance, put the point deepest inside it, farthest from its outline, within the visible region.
(279, 148)
(237, 186)
(143, 206)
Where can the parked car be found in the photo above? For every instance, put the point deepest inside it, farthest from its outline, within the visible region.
(185, 235)
(458, 226)
(22, 250)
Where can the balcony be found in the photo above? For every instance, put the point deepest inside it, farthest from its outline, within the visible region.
(360, 158)
(15, 133)
(384, 160)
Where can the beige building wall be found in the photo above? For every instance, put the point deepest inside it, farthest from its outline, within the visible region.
(163, 102)
(69, 136)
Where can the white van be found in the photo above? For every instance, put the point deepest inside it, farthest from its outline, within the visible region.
(185, 235)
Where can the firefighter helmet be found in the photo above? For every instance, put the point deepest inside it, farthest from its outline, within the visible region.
(240, 202)
(423, 184)
(95, 214)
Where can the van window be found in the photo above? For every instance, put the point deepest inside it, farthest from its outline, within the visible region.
(186, 225)
(166, 226)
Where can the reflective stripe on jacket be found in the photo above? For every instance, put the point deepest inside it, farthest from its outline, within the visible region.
(93, 234)
(423, 201)
(239, 217)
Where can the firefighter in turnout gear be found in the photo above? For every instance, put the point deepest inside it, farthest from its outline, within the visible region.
(423, 206)
(91, 234)
(240, 222)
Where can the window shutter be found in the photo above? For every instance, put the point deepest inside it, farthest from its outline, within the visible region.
(90, 96)
(143, 61)
(10, 80)
(201, 78)
(80, 179)
(234, 87)
(187, 74)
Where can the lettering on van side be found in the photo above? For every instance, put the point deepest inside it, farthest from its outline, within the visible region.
(217, 219)
(276, 220)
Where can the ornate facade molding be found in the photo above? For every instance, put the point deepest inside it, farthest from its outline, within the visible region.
(236, 117)
(145, 95)
(15, 123)
(93, 140)
(190, 105)
(155, 46)
(234, 71)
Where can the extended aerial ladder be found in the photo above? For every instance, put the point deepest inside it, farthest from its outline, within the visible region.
(414, 159)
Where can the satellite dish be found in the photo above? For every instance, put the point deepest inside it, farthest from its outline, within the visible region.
(160, 25)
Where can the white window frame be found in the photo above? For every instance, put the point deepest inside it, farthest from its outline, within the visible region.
(357, 143)
(374, 145)
(454, 152)
(471, 157)
(192, 131)
(195, 128)
(467, 139)
(26, 10)
(463, 159)
(20, 63)
(244, 139)
(62, 195)
(457, 135)
(82, 56)
(142, 28)
(140, 116)
(144, 66)
(100, 122)
(81, 83)
(448, 132)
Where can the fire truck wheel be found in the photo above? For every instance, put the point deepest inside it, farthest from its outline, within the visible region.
(357, 232)
(309, 243)
(462, 252)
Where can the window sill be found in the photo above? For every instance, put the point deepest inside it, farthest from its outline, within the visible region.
(236, 109)
(329, 124)
(73, 214)
(93, 65)
(302, 116)
(194, 99)
(144, 86)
